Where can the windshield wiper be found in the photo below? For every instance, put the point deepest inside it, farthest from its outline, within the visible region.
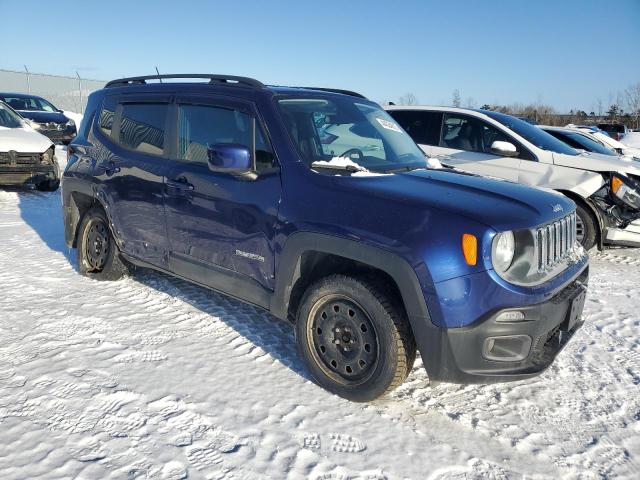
(336, 166)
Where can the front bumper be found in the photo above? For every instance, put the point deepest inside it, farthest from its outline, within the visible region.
(628, 237)
(490, 351)
(27, 174)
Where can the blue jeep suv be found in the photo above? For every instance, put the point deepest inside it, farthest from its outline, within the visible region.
(315, 205)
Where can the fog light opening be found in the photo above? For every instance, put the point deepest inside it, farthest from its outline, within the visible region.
(512, 348)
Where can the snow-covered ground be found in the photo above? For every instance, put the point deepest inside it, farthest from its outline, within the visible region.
(152, 377)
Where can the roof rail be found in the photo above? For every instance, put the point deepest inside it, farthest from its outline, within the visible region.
(213, 79)
(337, 90)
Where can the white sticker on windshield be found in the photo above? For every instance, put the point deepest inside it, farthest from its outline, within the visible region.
(388, 125)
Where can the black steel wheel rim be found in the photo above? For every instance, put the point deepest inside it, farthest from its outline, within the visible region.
(97, 245)
(343, 339)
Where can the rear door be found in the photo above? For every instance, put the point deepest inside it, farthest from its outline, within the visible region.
(217, 221)
(465, 143)
(131, 171)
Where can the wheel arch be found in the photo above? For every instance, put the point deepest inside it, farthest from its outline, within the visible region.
(76, 204)
(307, 256)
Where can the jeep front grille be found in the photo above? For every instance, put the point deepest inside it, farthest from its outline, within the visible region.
(555, 241)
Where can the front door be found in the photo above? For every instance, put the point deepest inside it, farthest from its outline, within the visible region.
(219, 223)
(465, 143)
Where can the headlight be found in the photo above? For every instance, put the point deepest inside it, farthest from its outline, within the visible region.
(47, 157)
(626, 190)
(503, 250)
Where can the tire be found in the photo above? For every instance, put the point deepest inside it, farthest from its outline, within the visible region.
(354, 338)
(586, 222)
(49, 185)
(97, 253)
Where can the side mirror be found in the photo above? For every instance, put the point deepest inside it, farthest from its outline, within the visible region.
(230, 158)
(504, 149)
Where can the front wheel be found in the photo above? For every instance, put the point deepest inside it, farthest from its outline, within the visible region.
(98, 255)
(354, 338)
(586, 227)
(50, 185)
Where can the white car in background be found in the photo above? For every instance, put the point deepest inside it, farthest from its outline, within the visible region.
(27, 158)
(584, 140)
(603, 137)
(605, 188)
(631, 140)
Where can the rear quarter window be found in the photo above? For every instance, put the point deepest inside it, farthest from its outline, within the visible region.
(142, 127)
(423, 127)
(107, 115)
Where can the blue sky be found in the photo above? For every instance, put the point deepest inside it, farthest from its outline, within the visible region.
(565, 53)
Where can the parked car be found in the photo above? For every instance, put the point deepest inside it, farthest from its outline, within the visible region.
(615, 130)
(631, 139)
(227, 184)
(604, 137)
(579, 140)
(26, 157)
(499, 145)
(43, 116)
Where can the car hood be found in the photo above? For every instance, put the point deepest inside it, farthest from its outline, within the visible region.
(44, 117)
(596, 162)
(499, 204)
(23, 140)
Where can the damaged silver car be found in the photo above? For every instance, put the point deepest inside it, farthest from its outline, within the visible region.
(605, 188)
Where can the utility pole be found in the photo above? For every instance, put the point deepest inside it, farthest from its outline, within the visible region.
(28, 79)
(80, 92)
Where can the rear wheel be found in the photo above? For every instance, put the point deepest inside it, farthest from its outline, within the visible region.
(354, 338)
(98, 255)
(586, 227)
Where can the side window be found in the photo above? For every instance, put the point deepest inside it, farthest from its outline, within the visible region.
(107, 115)
(474, 135)
(202, 125)
(422, 126)
(142, 127)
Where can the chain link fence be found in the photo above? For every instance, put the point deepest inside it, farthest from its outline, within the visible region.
(66, 93)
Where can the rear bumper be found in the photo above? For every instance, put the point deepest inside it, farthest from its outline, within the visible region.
(31, 174)
(490, 350)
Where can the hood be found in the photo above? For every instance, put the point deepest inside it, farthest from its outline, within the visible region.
(596, 162)
(43, 117)
(499, 204)
(23, 140)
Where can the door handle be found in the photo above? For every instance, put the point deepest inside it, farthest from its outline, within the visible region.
(179, 186)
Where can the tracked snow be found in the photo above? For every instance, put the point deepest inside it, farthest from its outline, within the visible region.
(151, 377)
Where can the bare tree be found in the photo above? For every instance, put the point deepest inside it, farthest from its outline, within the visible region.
(470, 102)
(632, 95)
(455, 99)
(408, 99)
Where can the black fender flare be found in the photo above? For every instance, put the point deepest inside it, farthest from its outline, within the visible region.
(403, 274)
(71, 210)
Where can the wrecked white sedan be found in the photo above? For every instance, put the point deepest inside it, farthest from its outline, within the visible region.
(605, 188)
(27, 158)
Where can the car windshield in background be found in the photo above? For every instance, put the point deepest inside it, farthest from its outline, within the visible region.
(589, 145)
(333, 129)
(27, 103)
(532, 134)
(9, 118)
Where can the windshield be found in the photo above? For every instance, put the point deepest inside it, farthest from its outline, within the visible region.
(589, 144)
(532, 134)
(335, 128)
(9, 118)
(28, 103)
